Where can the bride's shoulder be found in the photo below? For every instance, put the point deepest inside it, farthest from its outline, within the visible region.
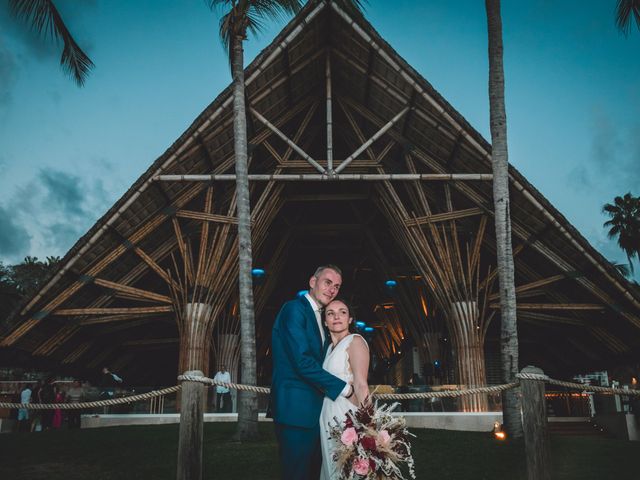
(359, 341)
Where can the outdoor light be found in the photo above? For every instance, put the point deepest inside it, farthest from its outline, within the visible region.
(258, 275)
(360, 324)
(498, 432)
(390, 283)
(368, 329)
(302, 293)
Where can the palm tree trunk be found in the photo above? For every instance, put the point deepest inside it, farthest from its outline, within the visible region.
(247, 401)
(500, 165)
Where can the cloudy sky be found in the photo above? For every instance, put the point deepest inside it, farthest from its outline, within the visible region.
(67, 153)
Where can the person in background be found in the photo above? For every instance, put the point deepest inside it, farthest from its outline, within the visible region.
(23, 413)
(74, 395)
(109, 382)
(223, 395)
(36, 415)
(56, 420)
(47, 395)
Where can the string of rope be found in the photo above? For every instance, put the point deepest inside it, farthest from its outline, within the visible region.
(577, 386)
(445, 393)
(97, 403)
(234, 386)
(265, 390)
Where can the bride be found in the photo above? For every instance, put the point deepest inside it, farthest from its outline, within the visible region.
(348, 359)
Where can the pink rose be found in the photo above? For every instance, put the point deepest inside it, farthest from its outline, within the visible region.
(361, 466)
(349, 436)
(383, 438)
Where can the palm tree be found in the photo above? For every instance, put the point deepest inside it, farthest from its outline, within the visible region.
(625, 224)
(500, 166)
(625, 11)
(242, 17)
(44, 18)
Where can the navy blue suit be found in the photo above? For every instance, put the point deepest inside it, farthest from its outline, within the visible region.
(298, 388)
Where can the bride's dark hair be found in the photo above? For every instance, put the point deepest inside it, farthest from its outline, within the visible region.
(350, 309)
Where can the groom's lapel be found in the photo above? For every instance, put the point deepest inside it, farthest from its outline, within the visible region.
(327, 342)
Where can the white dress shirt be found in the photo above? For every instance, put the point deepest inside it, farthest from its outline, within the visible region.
(318, 313)
(222, 378)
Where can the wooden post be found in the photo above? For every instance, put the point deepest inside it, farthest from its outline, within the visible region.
(536, 433)
(191, 423)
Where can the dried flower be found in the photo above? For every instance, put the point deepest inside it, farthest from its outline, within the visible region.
(349, 436)
(361, 466)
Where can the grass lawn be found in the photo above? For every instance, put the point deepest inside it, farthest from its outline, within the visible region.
(142, 452)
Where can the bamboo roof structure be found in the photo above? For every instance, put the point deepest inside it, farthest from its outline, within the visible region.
(356, 160)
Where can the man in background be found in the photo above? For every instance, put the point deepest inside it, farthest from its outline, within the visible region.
(223, 395)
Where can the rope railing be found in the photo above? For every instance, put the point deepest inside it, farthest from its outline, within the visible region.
(381, 396)
(97, 403)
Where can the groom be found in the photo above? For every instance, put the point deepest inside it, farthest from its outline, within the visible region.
(299, 381)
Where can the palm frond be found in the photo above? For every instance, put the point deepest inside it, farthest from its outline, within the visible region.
(625, 11)
(623, 268)
(44, 18)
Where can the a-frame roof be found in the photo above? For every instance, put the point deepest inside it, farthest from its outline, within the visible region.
(132, 244)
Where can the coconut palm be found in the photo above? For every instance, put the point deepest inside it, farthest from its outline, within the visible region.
(500, 167)
(625, 224)
(245, 16)
(625, 11)
(44, 18)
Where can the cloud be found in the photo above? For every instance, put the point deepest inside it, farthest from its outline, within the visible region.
(63, 190)
(615, 153)
(15, 241)
(50, 212)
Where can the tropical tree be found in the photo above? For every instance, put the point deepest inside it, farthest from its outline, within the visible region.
(625, 224)
(22, 281)
(500, 167)
(241, 17)
(626, 10)
(46, 21)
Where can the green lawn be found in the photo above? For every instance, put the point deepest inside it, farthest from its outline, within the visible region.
(150, 452)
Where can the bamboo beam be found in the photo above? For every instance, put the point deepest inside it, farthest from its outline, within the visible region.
(440, 217)
(553, 306)
(131, 291)
(114, 318)
(373, 177)
(150, 341)
(111, 311)
(77, 353)
(287, 140)
(532, 285)
(331, 197)
(207, 217)
(57, 339)
(545, 317)
(369, 142)
(329, 114)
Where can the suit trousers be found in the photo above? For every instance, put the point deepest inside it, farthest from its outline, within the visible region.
(299, 449)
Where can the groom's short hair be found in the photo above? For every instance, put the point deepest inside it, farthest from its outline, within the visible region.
(328, 266)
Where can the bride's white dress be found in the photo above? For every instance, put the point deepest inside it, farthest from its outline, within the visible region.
(336, 362)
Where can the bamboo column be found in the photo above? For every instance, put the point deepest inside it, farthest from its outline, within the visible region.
(451, 272)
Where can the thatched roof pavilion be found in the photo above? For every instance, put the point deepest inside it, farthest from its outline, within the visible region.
(113, 300)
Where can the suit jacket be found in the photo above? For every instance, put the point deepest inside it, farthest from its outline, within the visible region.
(299, 382)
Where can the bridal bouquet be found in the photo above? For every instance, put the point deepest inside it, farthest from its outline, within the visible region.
(371, 444)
